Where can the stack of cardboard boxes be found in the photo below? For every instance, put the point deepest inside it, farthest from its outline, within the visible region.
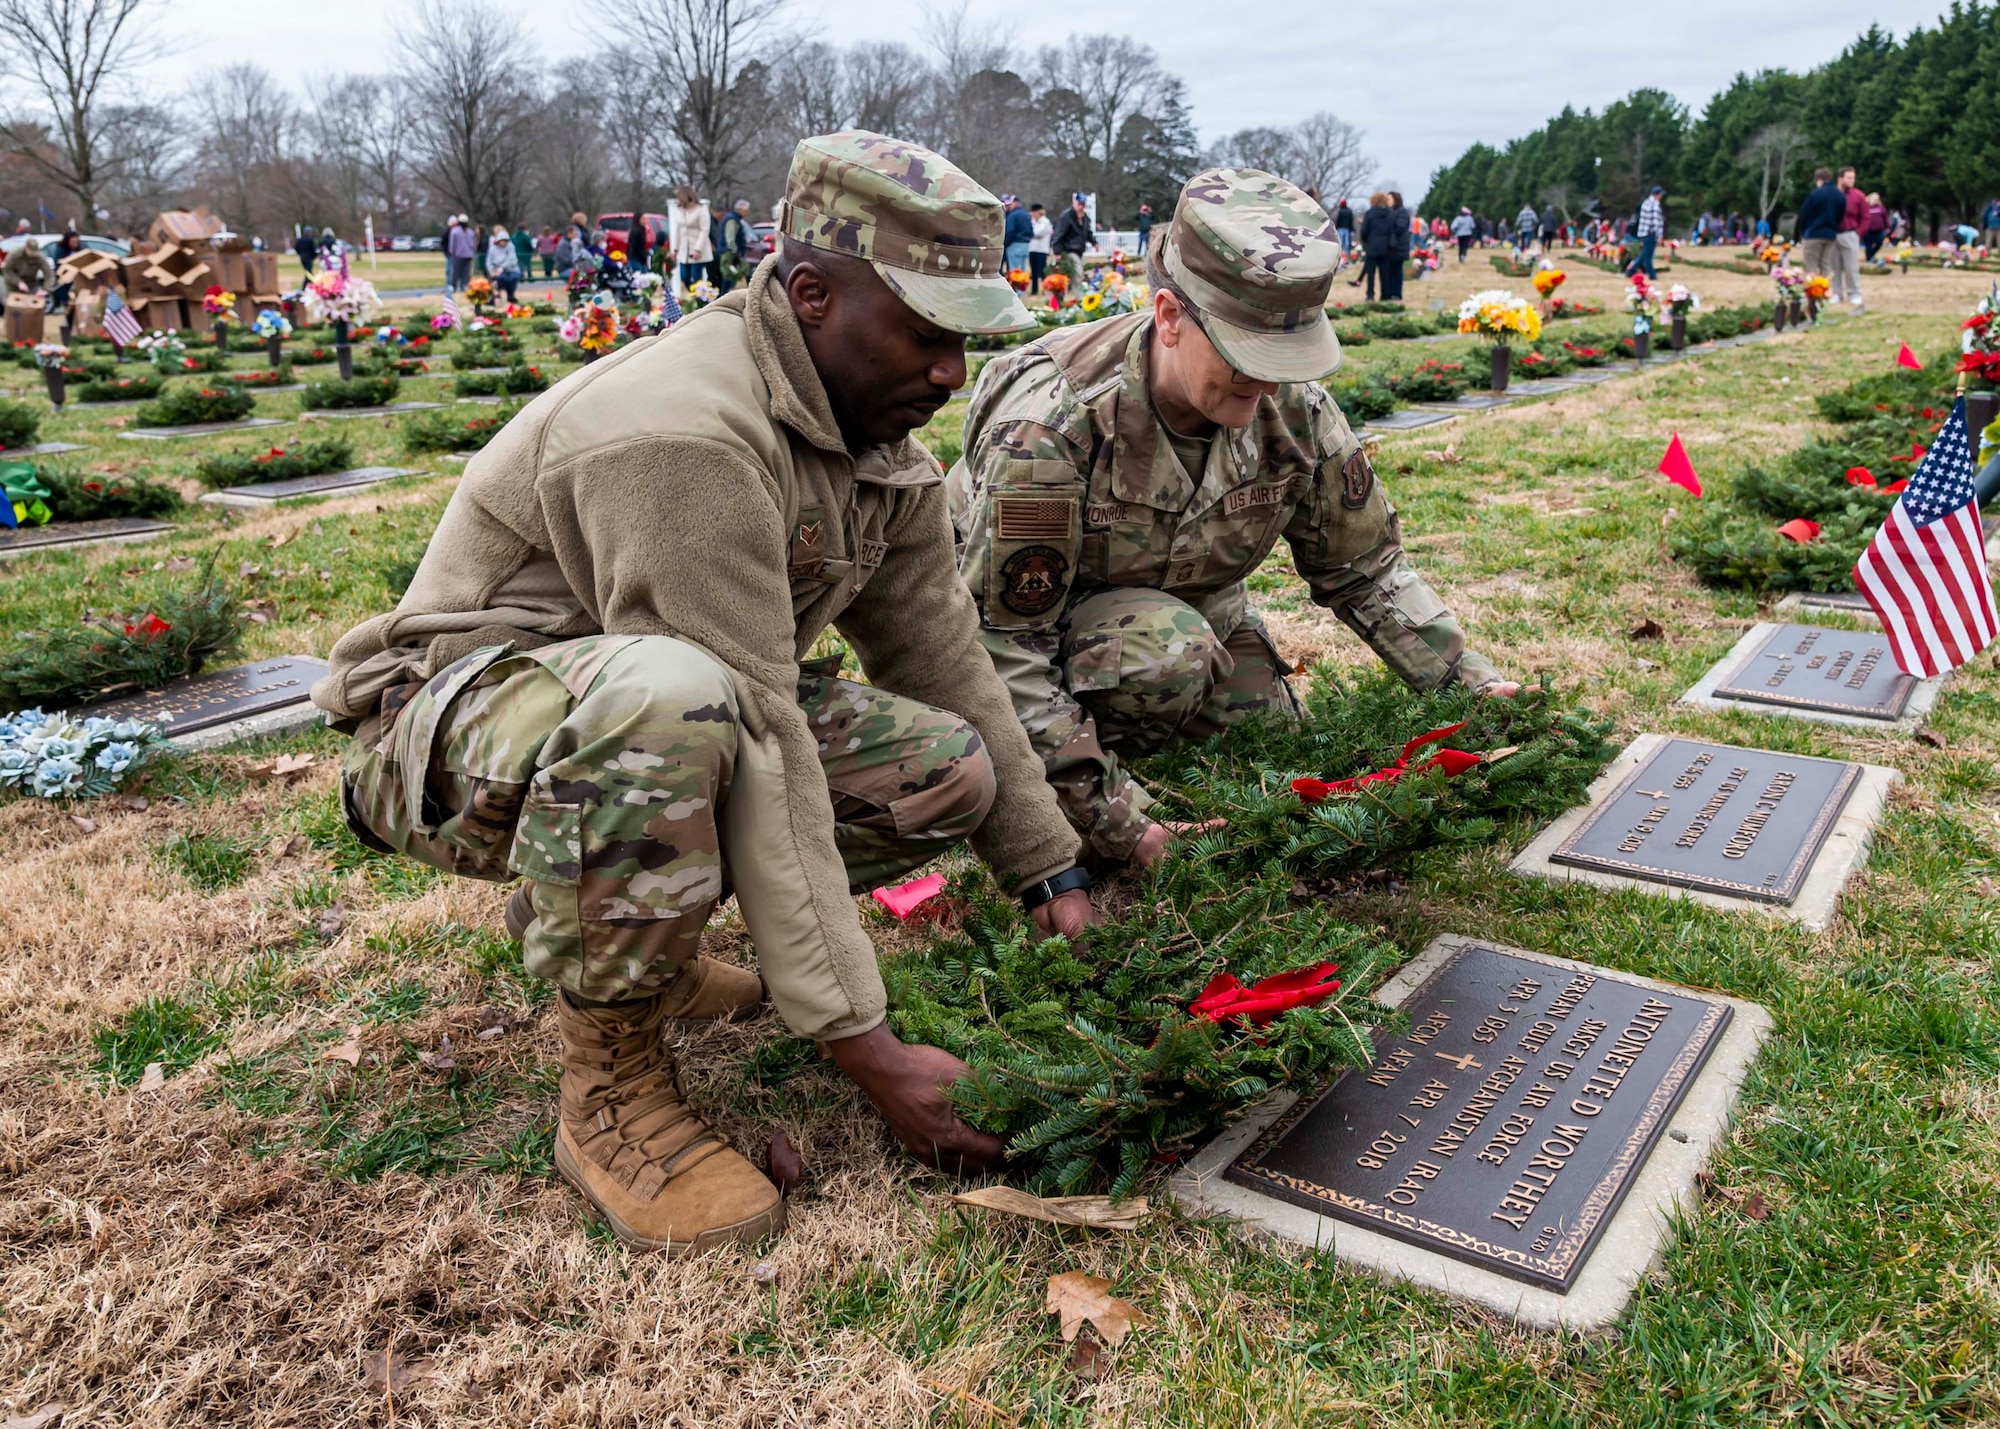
(190, 253)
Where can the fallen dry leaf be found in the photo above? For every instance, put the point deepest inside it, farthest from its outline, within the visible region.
(1494, 756)
(1754, 1207)
(764, 1273)
(392, 1373)
(178, 563)
(1646, 630)
(262, 612)
(1089, 1360)
(783, 1164)
(443, 1059)
(154, 1077)
(248, 569)
(88, 825)
(40, 1419)
(1927, 735)
(348, 1051)
(294, 846)
(1077, 1297)
(281, 538)
(283, 767)
(135, 803)
(1099, 1211)
(333, 920)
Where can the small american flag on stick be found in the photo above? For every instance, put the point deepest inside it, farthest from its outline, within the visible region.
(119, 324)
(1925, 571)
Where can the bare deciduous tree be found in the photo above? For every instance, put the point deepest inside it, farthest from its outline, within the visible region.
(473, 140)
(1328, 157)
(247, 124)
(713, 57)
(77, 57)
(1769, 155)
(1113, 78)
(885, 87)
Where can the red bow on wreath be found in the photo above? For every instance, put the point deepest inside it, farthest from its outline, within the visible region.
(1453, 761)
(1225, 999)
(1862, 476)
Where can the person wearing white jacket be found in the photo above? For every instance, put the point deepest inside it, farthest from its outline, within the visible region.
(687, 228)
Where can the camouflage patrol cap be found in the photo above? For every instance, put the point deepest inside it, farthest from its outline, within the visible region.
(1256, 258)
(932, 234)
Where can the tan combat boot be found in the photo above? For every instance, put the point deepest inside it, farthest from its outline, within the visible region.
(704, 990)
(629, 1141)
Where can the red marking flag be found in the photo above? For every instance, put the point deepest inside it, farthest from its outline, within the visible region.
(1676, 467)
(1907, 358)
(1925, 571)
(1800, 529)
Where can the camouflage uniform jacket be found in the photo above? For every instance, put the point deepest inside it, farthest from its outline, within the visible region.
(1069, 486)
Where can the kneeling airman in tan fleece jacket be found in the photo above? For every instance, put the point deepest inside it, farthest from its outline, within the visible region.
(598, 680)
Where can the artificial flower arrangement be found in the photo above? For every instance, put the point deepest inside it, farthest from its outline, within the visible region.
(1497, 315)
(700, 295)
(1425, 259)
(51, 354)
(1642, 301)
(1789, 281)
(445, 320)
(1019, 278)
(1774, 253)
(1055, 285)
(522, 310)
(336, 297)
(1680, 300)
(1548, 280)
(56, 757)
(479, 290)
(593, 326)
(271, 323)
(1817, 287)
(163, 349)
(218, 301)
(1979, 342)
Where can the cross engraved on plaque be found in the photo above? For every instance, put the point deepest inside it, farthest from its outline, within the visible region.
(1759, 818)
(1519, 1169)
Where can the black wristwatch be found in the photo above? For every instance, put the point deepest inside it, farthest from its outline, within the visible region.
(1068, 881)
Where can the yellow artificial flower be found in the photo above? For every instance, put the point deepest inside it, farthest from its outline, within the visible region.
(1091, 302)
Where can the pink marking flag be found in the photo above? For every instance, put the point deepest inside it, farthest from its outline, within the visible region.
(1925, 571)
(904, 898)
(1676, 467)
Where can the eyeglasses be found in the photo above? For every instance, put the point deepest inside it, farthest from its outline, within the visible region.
(1236, 378)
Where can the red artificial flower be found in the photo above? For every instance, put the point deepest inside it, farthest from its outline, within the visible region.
(1976, 322)
(1916, 454)
(93, 486)
(1802, 530)
(212, 290)
(152, 627)
(1929, 415)
(1225, 999)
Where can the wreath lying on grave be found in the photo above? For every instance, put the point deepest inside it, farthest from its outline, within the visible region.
(355, 392)
(185, 404)
(1840, 488)
(1363, 398)
(516, 380)
(278, 376)
(308, 456)
(99, 659)
(72, 496)
(137, 387)
(20, 424)
(1224, 977)
(449, 431)
(1432, 381)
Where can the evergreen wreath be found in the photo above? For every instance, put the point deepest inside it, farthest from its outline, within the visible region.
(307, 457)
(101, 659)
(356, 392)
(187, 404)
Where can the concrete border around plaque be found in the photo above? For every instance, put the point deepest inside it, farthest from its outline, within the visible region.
(280, 707)
(1410, 419)
(1921, 697)
(74, 535)
(1848, 603)
(1543, 387)
(1470, 402)
(200, 429)
(40, 449)
(1589, 376)
(1841, 851)
(264, 495)
(389, 409)
(1633, 1237)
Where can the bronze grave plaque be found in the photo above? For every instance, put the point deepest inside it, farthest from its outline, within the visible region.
(204, 701)
(1741, 822)
(1815, 667)
(57, 534)
(1505, 1127)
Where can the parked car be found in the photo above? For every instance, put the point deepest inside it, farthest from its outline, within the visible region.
(381, 243)
(430, 245)
(46, 240)
(765, 240)
(617, 225)
(402, 243)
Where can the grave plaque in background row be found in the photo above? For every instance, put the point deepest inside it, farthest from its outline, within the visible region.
(204, 701)
(1506, 1126)
(1815, 667)
(1741, 822)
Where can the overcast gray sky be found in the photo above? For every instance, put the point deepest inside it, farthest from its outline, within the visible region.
(1423, 80)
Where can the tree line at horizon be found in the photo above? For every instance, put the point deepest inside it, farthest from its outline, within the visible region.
(467, 116)
(1918, 118)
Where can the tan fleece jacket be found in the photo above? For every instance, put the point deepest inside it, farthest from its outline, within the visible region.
(696, 485)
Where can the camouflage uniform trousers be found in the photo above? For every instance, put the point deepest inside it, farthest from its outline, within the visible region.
(596, 769)
(1149, 668)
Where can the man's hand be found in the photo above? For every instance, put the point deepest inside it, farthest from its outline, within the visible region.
(1067, 913)
(1152, 846)
(1504, 689)
(906, 1084)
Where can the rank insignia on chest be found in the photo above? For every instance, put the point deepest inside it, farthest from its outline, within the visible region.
(1357, 480)
(1246, 497)
(808, 551)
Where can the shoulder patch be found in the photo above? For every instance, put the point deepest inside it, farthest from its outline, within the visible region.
(1357, 480)
(1032, 518)
(1031, 580)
